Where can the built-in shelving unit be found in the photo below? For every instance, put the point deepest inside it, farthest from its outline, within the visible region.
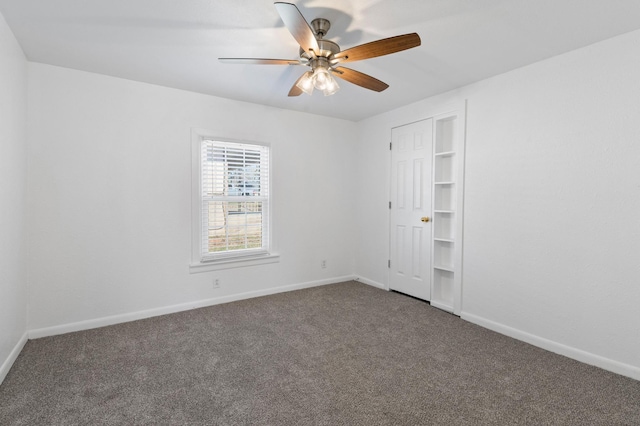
(448, 179)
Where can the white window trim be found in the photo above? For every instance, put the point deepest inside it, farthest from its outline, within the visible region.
(227, 262)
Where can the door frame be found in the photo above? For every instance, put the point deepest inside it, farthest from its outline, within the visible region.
(459, 110)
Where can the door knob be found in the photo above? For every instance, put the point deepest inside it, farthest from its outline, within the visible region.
(424, 219)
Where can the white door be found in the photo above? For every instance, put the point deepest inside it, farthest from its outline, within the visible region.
(411, 154)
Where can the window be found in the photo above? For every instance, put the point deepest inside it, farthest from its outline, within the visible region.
(233, 201)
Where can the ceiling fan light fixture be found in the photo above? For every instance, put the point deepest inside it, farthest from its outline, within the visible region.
(331, 87)
(306, 83)
(322, 80)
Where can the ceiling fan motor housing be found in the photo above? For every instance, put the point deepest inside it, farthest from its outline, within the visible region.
(327, 48)
(319, 62)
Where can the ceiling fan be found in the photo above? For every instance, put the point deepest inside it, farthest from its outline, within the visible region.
(325, 57)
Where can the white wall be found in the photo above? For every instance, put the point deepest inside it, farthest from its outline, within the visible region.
(109, 196)
(13, 175)
(551, 233)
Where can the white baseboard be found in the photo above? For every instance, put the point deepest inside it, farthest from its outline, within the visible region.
(568, 351)
(133, 316)
(371, 282)
(13, 355)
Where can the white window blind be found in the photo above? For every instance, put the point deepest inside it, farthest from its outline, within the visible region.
(235, 199)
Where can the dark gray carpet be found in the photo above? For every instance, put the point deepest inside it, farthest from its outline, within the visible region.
(343, 354)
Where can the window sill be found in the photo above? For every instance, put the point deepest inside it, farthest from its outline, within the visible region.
(238, 262)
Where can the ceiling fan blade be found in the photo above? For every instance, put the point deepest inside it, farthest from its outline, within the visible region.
(297, 26)
(295, 91)
(361, 79)
(259, 61)
(378, 48)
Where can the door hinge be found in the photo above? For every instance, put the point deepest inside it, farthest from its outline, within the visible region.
(389, 263)
(390, 146)
(389, 204)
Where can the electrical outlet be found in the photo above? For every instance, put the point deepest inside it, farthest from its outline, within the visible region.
(216, 283)
(323, 264)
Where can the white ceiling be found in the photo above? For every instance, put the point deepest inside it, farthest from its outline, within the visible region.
(176, 43)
